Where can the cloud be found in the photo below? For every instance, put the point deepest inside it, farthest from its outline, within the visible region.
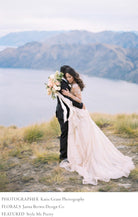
(91, 15)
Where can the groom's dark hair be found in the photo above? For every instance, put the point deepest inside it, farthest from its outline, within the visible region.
(64, 68)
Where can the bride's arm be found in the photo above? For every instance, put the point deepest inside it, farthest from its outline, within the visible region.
(75, 95)
(64, 86)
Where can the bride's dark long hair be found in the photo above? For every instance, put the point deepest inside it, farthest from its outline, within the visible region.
(75, 75)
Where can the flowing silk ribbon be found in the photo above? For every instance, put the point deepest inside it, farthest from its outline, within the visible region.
(64, 110)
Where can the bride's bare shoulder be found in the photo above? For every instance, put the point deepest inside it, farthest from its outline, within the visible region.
(75, 89)
(75, 86)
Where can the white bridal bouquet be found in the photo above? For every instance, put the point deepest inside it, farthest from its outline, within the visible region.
(53, 85)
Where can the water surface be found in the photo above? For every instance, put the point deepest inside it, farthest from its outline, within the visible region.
(24, 101)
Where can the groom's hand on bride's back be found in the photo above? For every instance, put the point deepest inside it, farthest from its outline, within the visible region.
(65, 92)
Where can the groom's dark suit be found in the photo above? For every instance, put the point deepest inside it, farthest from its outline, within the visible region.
(64, 125)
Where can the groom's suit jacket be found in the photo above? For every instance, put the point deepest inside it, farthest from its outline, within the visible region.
(59, 109)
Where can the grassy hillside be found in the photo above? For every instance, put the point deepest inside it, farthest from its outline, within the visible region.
(29, 158)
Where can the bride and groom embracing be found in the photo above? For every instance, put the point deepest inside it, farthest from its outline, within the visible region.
(84, 148)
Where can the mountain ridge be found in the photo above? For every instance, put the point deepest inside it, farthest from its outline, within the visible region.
(105, 54)
(123, 39)
(101, 60)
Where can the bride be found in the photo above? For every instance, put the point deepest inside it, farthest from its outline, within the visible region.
(90, 152)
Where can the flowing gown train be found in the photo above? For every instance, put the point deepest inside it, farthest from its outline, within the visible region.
(90, 152)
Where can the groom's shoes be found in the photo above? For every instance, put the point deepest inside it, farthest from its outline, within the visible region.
(63, 160)
(65, 164)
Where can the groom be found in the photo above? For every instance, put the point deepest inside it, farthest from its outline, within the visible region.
(61, 111)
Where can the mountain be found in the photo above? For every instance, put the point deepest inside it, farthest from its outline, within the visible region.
(122, 39)
(20, 38)
(105, 54)
(102, 60)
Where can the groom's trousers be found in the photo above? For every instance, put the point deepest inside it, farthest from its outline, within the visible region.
(63, 138)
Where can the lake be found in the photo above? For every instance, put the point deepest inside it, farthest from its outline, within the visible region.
(24, 100)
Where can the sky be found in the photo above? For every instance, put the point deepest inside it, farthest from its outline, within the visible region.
(91, 15)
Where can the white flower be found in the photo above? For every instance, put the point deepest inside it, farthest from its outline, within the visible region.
(57, 72)
(52, 76)
(56, 87)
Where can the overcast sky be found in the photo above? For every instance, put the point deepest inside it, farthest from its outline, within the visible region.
(92, 15)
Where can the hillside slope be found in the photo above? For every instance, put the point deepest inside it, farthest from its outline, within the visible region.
(101, 60)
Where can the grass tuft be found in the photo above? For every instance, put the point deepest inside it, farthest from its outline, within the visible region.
(20, 152)
(33, 133)
(125, 125)
(27, 179)
(45, 158)
(42, 131)
(102, 120)
(105, 188)
(134, 175)
(56, 177)
(3, 182)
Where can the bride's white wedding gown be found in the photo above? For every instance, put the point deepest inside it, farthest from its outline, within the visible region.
(90, 152)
